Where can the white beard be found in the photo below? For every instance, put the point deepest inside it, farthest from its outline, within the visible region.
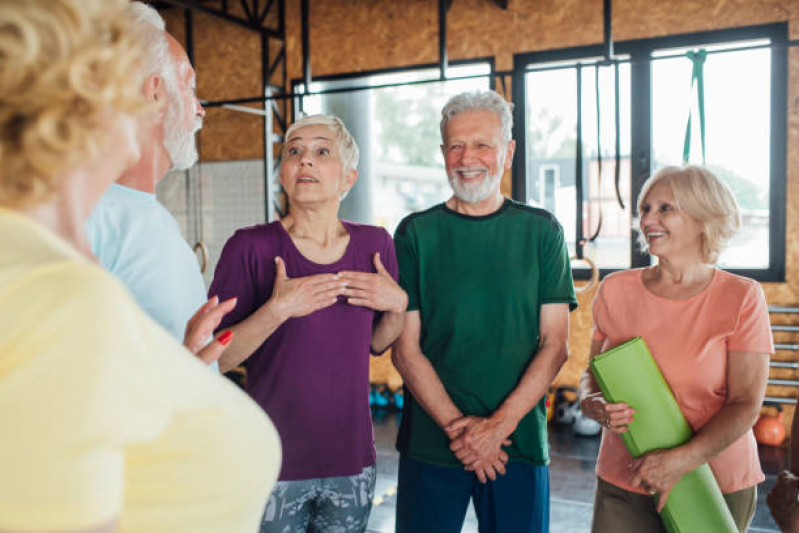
(473, 193)
(180, 143)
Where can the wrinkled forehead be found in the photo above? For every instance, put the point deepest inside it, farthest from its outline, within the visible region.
(312, 132)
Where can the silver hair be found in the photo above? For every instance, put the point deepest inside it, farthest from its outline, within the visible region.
(479, 101)
(149, 31)
(347, 149)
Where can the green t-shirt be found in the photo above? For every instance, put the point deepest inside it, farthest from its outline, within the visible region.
(479, 284)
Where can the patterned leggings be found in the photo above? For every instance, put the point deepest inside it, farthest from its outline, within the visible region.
(324, 505)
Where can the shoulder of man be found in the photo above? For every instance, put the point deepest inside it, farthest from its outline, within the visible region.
(536, 214)
(415, 218)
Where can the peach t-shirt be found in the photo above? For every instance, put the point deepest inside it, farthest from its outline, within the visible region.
(689, 339)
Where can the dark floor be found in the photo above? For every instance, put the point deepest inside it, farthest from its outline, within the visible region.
(571, 480)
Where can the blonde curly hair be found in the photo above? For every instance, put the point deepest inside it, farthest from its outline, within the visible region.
(64, 65)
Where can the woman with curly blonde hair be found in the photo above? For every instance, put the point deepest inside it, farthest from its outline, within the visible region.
(96, 436)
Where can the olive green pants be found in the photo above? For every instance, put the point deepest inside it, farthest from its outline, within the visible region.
(616, 509)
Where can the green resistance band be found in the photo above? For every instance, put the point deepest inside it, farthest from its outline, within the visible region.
(698, 78)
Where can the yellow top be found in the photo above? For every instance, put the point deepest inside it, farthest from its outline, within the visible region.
(103, 416)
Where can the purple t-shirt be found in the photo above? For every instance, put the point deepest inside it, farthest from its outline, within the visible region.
(312, 374)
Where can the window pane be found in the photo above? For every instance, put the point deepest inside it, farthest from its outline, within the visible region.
(737, 109)
(397, 131)
(551, 152)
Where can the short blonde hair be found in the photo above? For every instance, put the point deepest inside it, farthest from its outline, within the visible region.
(347, 149)
(702, 195)
(64, 66)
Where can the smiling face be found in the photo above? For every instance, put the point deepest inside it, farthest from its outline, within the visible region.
(669, 232)
(312, 170)
(475, 156)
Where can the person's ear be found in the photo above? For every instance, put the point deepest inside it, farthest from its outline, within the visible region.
(155, 91)
(509, 151)
(350, 177)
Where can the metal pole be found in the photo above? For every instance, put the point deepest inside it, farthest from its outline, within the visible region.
(608, 30)
(306, 46)
(442, 38)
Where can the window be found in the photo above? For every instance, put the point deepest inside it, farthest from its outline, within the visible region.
(642, 123)
(397, 131)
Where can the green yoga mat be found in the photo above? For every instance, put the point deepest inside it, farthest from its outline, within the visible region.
(628, 373)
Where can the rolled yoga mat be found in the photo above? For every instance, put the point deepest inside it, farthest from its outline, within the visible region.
(629, 374)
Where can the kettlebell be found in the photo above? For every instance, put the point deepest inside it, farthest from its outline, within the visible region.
(770, 430)
(584, 426)
(566, 408)
(550, 404)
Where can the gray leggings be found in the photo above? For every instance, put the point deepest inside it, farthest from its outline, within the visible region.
(330, 504)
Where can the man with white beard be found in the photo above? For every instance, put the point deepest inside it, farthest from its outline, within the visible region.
(489, 291)
(131, 233)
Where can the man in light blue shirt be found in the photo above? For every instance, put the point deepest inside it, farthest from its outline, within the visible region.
(131, 233)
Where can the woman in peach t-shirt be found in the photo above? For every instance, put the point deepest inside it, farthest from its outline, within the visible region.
(709, 333)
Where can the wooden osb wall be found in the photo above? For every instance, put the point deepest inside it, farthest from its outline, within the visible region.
(356, 35)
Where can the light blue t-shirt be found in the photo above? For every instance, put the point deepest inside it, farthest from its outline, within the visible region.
(138, 241)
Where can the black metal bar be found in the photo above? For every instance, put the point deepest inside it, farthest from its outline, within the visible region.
(189, 19)
(519, 175)
(778, 159)
(442, 38)
(641, 140)
(224, 6)
(265, 12)
(608, 30)
(280, 55)
(257, 99)
(281, 8)
(579, 232)
(267, 128)
(191, 4)
(306, 46)
(247, 11)
(617, 127)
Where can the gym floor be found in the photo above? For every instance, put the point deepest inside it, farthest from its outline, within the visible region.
(571, 480)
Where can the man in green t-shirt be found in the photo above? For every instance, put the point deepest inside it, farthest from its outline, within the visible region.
(489, 291)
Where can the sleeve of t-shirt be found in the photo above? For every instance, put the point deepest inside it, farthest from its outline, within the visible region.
(408, 263)
(557, 283)
(83, 385)
(599, 313)
(753, 333)
(235, 277)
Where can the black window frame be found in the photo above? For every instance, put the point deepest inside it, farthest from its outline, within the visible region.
(639, 52)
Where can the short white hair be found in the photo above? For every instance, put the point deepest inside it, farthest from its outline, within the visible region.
(347, 149)
(479, 101)
(149, 30)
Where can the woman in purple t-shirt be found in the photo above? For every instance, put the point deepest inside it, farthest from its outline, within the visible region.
(315, 296)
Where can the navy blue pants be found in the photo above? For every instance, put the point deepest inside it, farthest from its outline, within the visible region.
(434, 499)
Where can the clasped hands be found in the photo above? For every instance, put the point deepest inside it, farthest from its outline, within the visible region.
(297, 297)
(477, 443)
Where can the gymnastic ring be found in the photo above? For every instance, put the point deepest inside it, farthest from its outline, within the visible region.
(204, 250)
(593, 280)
